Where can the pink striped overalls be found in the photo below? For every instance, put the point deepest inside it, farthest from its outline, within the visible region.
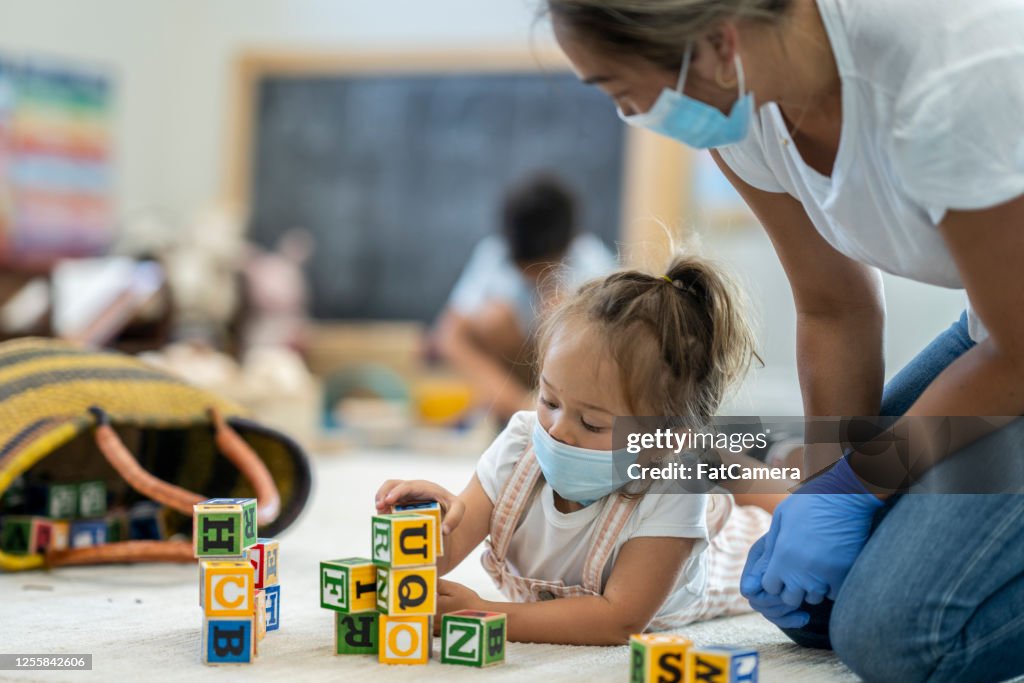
(733, 529)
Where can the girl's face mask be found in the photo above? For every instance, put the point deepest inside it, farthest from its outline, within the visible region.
(578, 474)
(693, 122)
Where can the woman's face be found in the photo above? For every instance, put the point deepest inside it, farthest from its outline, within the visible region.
(634, 83)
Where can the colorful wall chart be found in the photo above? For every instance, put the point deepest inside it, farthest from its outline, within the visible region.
(56, 186)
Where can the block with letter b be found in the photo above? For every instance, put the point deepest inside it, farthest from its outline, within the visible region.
(404, 539)
(473, 638)
(228, 641)
(658, 658)
(407, 592)
(404, 640)
(721, 664)
(356, 634)
(224, 527)
(227, 589)
(432, 508)
(263, 556)
(348, 585)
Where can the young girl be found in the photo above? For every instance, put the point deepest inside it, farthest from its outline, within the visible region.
(583, 563)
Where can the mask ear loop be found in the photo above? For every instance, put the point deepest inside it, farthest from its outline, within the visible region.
(739, 74)
(685, 69)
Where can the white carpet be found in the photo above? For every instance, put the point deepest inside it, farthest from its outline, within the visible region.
(143, 623)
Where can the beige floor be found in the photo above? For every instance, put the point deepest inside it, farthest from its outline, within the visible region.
(143, 623)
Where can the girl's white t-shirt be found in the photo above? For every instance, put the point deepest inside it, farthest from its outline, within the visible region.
(552, 545)
(933, 104)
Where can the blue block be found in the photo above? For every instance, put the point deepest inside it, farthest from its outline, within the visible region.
(88, 532)
(273, 596)
(227, 641)
(145, 522)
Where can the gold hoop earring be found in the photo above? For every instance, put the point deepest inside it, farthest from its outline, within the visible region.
(721, 82)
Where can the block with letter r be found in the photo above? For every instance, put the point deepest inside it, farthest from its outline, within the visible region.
(658, 658)
(473, 638)
(722, 664)
(404, 539)
(228, 641)
(356, 634)
(224, 527)
(348, 585)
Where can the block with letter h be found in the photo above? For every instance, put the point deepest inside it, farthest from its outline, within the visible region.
(473, 638)
(721, 664)
(656, 657)
(224, 527)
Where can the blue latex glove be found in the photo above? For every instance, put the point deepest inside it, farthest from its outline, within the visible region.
(771, 606)
(816, 535)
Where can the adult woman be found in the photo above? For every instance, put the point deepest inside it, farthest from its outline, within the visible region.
(864, 134)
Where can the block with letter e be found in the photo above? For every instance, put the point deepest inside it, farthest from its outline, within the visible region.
(224, 527)
(721, 664)
(356, 634)
(473, 638)
(404, 539)
(228, 641)
(227, 589)
(407, 592)
(273, 595)
(263, 556)
(404, 640)
(658, 658)
(348, 585)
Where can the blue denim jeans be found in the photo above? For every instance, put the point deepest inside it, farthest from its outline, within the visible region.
(937, 594)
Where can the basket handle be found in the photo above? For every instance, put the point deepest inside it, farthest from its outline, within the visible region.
(230, 444)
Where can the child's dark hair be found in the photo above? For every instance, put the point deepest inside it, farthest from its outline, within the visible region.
(680, 340)
(539, 219)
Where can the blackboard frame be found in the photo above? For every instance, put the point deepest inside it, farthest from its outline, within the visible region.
(657, 173)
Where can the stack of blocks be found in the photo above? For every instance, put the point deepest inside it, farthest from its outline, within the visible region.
(384, 604)
(238, 583)
(664, 658)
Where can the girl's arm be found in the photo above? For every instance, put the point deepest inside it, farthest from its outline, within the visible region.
(644, 575)
(467, 517)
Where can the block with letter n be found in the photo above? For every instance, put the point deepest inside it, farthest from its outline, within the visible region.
(658, 658)
(348, 585)
(356, 634)
(404, 539)
(721, 664)
(224, 527)
(473, 638)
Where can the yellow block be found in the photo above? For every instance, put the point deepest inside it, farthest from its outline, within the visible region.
(658, 658)
(407, 592)
(404, 640)
(228, 588)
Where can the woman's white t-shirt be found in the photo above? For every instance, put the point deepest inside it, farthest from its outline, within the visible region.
(933, 120)
(552, 545)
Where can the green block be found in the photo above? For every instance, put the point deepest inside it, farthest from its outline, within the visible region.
(348, 585)
(473, 638)
(356, 634)
(16, 536)
(223, 527)
(380, 541)
(62, 501)
(382, 590)
(92, 499)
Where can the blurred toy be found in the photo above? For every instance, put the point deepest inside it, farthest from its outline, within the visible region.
(277, 295)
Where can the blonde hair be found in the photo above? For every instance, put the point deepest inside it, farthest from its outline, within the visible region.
(657, 30)
(680, 340)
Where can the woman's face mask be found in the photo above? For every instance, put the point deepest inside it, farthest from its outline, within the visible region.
(693, 122)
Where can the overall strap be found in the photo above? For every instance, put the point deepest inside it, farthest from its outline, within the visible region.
(609, 525)
(513, 500)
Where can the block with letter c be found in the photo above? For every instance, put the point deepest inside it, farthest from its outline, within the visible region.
(228, 588)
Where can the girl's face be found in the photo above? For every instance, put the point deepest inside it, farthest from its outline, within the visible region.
(580, 390)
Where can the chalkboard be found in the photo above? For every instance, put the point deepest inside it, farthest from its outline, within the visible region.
(399, 176)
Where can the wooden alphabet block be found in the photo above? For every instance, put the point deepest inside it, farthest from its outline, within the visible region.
(228, 641)
(263, 556)
(404, 539)
(21, 534)
(273, 594)
(721, 664)
(432, 508)
(356, 634)
(60, 535)
(473, 638)
(92, 499)
(259, 616)
(62, 501)
(88, 532)
(657, 657)
(407, 592)
(228, 589)
(404, 640)
(224, 527)
(348, 585)
(146, 522)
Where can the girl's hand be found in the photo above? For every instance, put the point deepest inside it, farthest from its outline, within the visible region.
(452, 597)
(399, 492)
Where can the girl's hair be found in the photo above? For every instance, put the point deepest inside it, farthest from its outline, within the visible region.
(657, 30)
(680, 340)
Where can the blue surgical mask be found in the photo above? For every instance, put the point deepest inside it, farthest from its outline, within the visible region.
(693, 122)
(582, 475)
